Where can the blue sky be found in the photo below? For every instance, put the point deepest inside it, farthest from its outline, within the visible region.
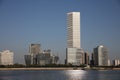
(23, 22)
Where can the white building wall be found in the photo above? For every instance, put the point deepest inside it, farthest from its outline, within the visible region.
(6, 58)
(101, 56)
(116, 62)
(71, 56)
(75, 56)
(109, 62)
(73, 30)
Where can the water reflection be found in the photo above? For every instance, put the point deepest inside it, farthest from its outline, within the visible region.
(75, 74)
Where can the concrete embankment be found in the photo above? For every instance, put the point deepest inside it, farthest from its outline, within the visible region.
(116, 68)
(61, 68)
(36, 68)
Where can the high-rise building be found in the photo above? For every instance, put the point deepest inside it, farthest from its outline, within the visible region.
(109, 63)
(73, 30)
(74, 53)
(100, 56)
(92, 60)
(86, 57)
(34, 49)
(6, 58)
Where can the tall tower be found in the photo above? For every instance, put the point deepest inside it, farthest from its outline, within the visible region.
(73, 30)
(74, 53)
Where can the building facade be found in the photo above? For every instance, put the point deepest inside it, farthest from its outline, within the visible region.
(86, 58)
(38, 57)
(116, 62)
(100, 56)
(44, 57)
(92, 60)
(34, 50)
(75, 56)
(74, 53)
(6, 57)
(27, 59)
(73, 30)
(55, 59)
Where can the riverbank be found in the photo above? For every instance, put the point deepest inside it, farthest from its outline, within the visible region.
(36, 68)
(61, 68)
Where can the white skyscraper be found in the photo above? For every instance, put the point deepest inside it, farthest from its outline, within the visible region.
(73, 30)
(6, 58)
(74, 53)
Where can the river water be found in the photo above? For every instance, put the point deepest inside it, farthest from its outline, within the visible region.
(60, 75)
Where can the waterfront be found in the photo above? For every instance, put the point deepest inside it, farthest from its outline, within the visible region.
(59, 75)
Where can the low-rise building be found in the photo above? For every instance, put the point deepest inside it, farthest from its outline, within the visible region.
(54, 59)
(27, 59)
(42, 58)
(6, 57)
(74, 56)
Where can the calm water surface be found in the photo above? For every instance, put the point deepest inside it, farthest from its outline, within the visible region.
(60, 75)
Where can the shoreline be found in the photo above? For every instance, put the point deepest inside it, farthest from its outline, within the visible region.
(61, 68)
(36, 69)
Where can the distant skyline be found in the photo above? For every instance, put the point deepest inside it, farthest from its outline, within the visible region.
(23, 22)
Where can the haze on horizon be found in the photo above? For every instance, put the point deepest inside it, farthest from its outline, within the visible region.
(23, 22)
